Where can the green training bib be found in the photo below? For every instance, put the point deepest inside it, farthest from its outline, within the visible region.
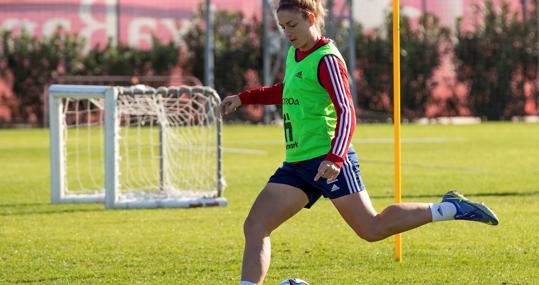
(309, 115)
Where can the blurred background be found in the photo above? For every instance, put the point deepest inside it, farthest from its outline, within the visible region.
(467, 59)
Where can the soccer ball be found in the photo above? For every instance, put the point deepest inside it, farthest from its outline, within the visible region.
(293, 281)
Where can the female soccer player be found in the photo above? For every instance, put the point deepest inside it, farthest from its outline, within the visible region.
(319, 122)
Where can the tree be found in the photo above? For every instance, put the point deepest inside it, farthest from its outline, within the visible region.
(494, 60)
(36, 62)
(531, 51)
(237, 49)
(421, 53)
(125, 60)
(33, 63)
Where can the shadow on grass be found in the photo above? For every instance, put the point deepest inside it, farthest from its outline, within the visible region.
(62, 280)
(13, 205)
(487, 194)
(26, 209)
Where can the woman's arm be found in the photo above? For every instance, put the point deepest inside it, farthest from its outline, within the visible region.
(264, 95)
(334, 77)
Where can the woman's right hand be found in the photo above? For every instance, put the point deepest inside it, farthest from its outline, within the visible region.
(230, 104)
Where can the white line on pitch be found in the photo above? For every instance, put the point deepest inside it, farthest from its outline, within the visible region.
(406, 140)
(245, 151)
(425, 165)
(362, 141)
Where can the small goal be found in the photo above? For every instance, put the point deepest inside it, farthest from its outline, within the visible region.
(136, 147)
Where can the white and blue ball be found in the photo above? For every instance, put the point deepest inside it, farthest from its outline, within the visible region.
(293, 281)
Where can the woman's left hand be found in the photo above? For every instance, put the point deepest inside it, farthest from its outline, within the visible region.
(328, 170)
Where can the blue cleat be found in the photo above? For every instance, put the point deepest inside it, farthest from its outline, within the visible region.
(469, 210)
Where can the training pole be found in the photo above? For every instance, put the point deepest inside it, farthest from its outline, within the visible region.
(397, 117)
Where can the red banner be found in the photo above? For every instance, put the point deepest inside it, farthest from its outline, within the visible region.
(133, 22)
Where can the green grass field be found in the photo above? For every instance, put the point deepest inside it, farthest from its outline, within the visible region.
(85, 244)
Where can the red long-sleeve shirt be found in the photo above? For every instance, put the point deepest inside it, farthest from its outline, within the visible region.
(333, 76)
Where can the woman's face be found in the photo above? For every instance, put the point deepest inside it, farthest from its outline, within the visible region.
(297, 28)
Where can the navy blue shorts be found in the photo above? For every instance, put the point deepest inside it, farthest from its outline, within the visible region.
(301, 175)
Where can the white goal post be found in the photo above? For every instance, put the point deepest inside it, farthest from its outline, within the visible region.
(136, 147)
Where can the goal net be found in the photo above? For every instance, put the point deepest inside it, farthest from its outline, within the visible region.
(136, 147)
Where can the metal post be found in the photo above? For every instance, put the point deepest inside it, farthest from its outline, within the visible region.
(209, 50)
(118, 21)
(524, 9)
(537, 68)
(330, 19)
(525, 65)
(274, 53)
(267, 80)
(265, 51)
(352, 52)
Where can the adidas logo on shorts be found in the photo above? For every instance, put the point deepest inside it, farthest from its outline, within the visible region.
(335, 188)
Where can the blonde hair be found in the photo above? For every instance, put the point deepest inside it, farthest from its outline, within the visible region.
(316, 7)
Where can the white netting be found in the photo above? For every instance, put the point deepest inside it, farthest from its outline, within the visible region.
(167, 146)
(83, 132)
